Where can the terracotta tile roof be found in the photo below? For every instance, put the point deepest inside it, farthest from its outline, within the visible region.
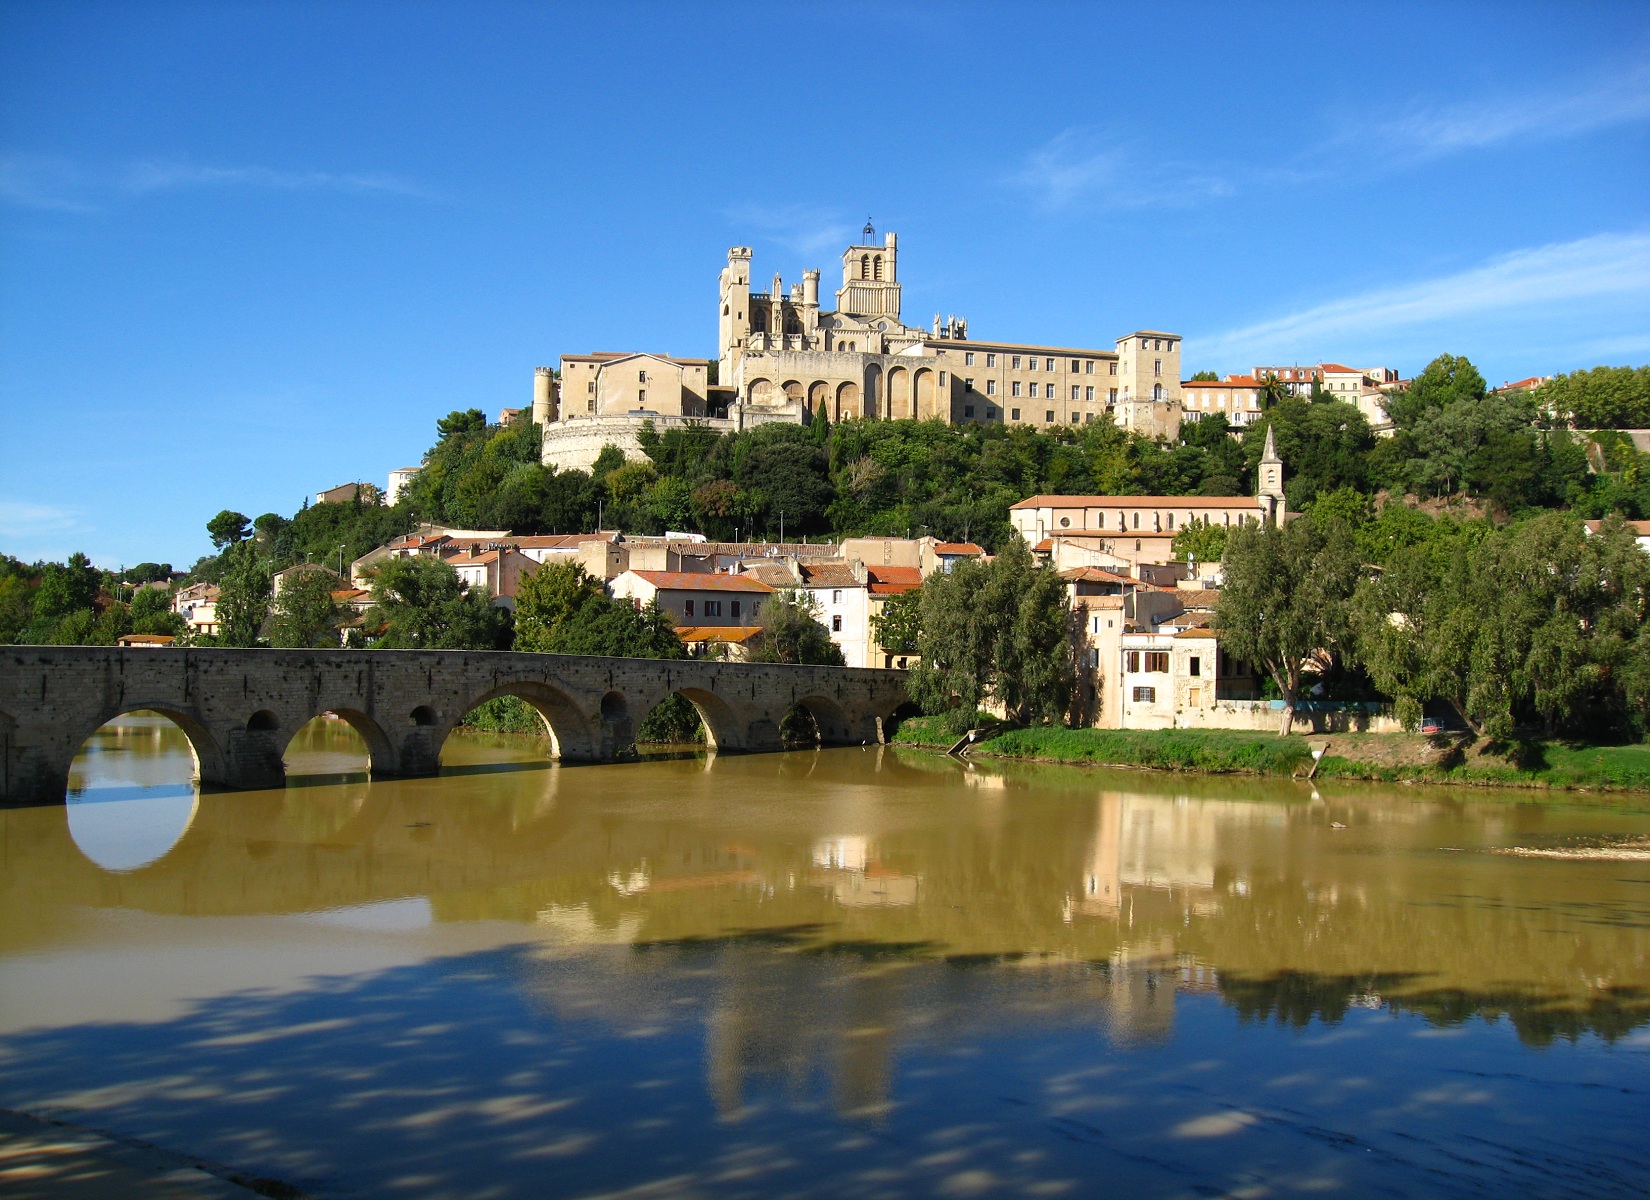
(694, 581)
(717, 633)
(958, 548)
(774, 574)
(892, 581)
(1136, 502)
(1097, 575)
(145, 639)
(832, 575)
(1198, 597)
(1099, 601)
(1044, 546)
(1338, 367)
(1196, 633)
(1642, 528)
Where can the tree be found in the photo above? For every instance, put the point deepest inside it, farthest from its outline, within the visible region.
(793, 633)
(243, 594)
(426, 606)
(64, 589)
(1206, 377)
(305, 614)
(1602, 398)
(545, 600)
(1199, 540)
(561, 609)
(898, 626)
(151, 612)
(1448, 379)
(997, 632)
(227, 528)
(1285, 599)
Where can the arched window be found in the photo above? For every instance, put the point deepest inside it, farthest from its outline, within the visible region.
(865, 266)
(877, 266)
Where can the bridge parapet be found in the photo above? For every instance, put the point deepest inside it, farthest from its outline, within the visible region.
(240, 708)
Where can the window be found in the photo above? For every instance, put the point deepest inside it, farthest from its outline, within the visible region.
(1031, 364)
(1075, 392)
(1088, 418)
(1194, 666)
(1145, 695)
(1171, 520)
(591, 386)
(1113, 365)
(1014, 388)
(713, 608)
(641, 395)
(1016, 362)
(1048, 417)
(1157, 366)
(990, 387)
(1137, 544)
(942, 378)
(1195, 697)
(1094, 654)
(968, 359)
(836, 623)
(1076, 417)
(836, 596)
(736, 608)
(641, 376)
(1013, 414)
(1088, 367)
(1137, 520)
(1076, 366)
(1157, 662)
(990, 413)
(1111, 397)
(1157, 391)
(1131, 662)
(990, 360)
(1050, 363)
(968, 410)
(968, 385)
(689, 608)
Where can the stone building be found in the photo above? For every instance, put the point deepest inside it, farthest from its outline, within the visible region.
(782, 356)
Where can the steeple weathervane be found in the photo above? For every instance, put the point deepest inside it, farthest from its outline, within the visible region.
(868, 234)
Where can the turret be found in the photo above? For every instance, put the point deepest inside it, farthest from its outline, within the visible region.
(734, 325)
(544, 395)
(810, 287)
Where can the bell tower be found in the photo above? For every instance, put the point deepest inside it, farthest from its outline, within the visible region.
(734, 323)
(870, 276)
(1269, 483)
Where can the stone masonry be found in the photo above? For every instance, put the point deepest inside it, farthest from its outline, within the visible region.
(240, 708)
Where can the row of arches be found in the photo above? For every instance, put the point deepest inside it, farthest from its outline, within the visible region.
(903, 394)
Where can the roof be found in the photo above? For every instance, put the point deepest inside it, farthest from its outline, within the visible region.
(606, 356)
(693, 581)
(1097, 575)
(1198, 597)
(892, 581)
(831, 575)
(1231, 381)
(1196, 633)
(1136, 502)
(958, 548)
(717, 633)
(1642, 528)
(145, 639)
(774, 574)
(966, 344)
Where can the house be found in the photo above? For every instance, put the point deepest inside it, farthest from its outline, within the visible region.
(1105, 606)
(1640, 528)
(282, 578)
(1174, 678)
(398, 481)
(884, 583)
(695, 599)
(940, 557)
(144, 641)
(1237, 398)
(496, 573)
(367, 493)
(197, 604)
(842, 594)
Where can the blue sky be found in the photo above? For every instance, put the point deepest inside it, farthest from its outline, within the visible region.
(248, 251)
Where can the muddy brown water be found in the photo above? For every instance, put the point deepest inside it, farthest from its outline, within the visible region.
(829, 973)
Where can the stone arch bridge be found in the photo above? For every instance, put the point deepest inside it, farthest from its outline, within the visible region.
(240, 708)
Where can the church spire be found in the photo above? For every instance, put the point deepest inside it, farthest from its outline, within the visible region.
(1269, 480)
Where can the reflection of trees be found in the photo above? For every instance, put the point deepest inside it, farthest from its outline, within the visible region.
(1299, 997)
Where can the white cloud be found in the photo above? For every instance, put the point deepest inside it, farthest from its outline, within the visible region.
(22, 518)
(164, 176)
(803, 230)
(1087, 165)
(1423, 133)
(1547, 282)
(61, 185)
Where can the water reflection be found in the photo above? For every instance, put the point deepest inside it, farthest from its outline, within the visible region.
(131, 791)
(828, 968)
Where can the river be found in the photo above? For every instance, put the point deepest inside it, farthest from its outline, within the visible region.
(851, 972)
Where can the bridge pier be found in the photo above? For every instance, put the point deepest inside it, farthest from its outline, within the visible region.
(241, 708)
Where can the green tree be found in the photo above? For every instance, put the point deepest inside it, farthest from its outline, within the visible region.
(1602, 398)
(243, 594)
(1199, 540)
(1286, 599)
(151, 612)
(546, 599)
(898, 626)
(426, 606)
(227, 528)
(995, 632)
(305, 615)
(793, 633)
(1206, 377)
(65, 589)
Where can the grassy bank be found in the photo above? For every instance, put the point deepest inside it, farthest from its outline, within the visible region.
(1380, 757)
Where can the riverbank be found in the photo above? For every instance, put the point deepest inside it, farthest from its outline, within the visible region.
(1378, 757)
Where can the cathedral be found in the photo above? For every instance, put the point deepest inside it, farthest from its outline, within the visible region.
(781, 357)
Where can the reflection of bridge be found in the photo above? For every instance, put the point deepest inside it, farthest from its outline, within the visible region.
(239, 708)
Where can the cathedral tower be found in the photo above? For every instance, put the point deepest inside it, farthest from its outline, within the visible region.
(733, 330)
(870, 277)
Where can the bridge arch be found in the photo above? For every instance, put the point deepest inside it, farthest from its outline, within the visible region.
(829, 718)
(572, 736)
(204, 748)
(723, 728)
(382, 758)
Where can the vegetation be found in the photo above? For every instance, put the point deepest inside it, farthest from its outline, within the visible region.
(994, 633)
(425, 606)
(793, 633)
(305, 614)
(1603, 398)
